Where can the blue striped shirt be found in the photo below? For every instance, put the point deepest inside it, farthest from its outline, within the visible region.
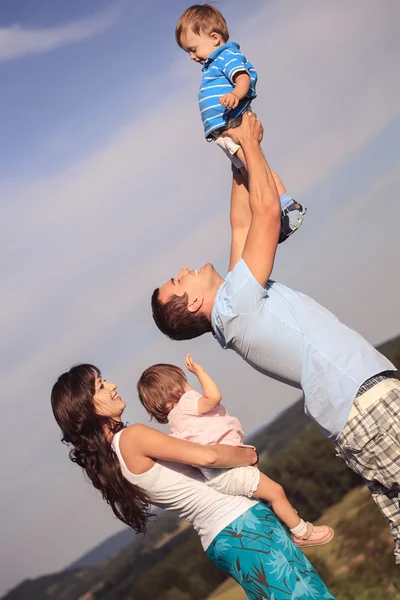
(218, 73)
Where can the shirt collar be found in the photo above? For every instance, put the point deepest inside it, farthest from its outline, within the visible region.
(217, 52)
(217, 326)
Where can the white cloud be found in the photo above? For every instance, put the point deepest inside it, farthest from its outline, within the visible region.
(18, 42)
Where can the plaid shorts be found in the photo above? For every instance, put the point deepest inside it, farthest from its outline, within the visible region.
(370, 445)
(370, 441)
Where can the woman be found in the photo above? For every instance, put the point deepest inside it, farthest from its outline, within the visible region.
(134, 466)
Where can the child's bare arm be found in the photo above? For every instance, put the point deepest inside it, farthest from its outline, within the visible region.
(242, 86)
(211, 394)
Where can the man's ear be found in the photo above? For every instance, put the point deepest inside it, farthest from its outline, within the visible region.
(195, 305)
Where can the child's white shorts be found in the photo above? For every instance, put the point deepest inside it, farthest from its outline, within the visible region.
(240, 481)
(229, 147)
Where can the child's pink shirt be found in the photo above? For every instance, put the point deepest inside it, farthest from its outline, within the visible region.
(214, 427)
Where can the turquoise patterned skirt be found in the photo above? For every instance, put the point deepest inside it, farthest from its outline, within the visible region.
(257, 551)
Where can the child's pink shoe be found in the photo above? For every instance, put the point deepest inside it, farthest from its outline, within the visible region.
(314, 536)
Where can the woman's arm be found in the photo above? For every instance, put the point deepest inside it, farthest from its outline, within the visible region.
(141, 446)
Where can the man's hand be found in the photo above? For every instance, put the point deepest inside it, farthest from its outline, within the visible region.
(250, 130)
(229, 100)
(192, 366)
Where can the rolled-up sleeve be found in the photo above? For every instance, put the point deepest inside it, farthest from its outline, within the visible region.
(188, 405)
(232, 64)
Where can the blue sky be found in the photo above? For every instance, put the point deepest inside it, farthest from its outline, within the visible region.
(79, 91)
(107, 188)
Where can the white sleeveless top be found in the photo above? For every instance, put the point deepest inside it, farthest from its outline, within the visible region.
(181, 489)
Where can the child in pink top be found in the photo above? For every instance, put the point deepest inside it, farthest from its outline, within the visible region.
(167, 396)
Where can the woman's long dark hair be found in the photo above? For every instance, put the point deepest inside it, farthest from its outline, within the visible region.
(82, 428)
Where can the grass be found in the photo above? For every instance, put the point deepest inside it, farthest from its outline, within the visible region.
(229, 590)
(166, 537)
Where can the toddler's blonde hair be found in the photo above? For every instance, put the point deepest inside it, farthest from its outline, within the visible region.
(204, 18)
(158, 386)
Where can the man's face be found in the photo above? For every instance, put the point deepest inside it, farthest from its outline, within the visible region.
(197, 284)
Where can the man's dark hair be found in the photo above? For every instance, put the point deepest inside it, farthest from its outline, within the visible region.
(175, 320)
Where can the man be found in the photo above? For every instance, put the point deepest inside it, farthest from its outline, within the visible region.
(347, 384)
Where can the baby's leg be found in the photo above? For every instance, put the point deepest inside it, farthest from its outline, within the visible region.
(303, 534)
(243, 169)
(239, 481)
(292, 211)
(270, 491)
(233, 151)
(279, 185)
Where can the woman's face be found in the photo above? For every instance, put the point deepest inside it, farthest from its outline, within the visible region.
(106, 401)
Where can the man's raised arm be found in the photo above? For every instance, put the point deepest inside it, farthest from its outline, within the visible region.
(240, 216)
(263, 233)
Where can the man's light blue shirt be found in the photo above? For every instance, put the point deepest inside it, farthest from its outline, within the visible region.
(290, 337)
(218, 74)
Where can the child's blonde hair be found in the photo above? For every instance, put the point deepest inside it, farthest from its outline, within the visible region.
(158, 386)
(201, 17)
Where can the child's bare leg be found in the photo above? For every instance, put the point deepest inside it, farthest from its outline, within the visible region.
(243, 170)
(270, 491)
(303, 534)
(279, 185)
(292, 211)
(244, 173)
